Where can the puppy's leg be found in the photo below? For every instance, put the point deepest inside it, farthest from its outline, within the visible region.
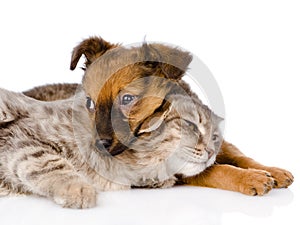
(41, 171)
(227, 177)
(232, 155)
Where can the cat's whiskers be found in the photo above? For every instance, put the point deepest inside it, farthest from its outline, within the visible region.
(189, 154)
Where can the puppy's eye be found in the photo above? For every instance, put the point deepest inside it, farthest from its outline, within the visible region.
(127, 99)
(191, 125)
(90, 105)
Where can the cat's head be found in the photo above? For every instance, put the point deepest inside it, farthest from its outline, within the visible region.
(201, 136)
(186, 138)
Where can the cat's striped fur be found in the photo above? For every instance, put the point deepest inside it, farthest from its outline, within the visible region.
(46, 149)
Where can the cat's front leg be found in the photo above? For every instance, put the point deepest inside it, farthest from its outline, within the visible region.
(232, 155)
(45, 173)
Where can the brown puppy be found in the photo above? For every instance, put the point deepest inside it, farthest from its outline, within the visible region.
(120, 86)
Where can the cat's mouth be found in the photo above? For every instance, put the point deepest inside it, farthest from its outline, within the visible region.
(210, 153)
(197, 153)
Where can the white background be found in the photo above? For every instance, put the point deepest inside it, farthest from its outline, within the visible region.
(251, 47)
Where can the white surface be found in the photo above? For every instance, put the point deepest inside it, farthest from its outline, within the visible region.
(252, 48)
(183, 205)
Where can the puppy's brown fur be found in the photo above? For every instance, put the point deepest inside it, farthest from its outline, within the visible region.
(115, 71)
(146, 72)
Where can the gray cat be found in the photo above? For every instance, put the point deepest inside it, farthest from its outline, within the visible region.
(46, 149)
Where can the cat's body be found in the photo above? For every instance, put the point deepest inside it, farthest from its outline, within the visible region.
(37, 139)
(46, 149)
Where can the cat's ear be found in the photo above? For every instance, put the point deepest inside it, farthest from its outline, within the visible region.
(92, 48)
(155, 121)
(8, 113)
(219, 119)
(6, 118)
(216, 119)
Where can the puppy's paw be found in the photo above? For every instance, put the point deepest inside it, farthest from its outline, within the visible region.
(77, 195)
(256, 182)
(282, 178)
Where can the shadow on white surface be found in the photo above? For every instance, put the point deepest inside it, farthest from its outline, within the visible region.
(179, 205)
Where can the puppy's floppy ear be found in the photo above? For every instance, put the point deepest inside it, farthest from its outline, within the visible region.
(91, 48)
(176, 63)
(172, 61)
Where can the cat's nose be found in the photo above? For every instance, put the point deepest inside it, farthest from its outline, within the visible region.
(210, 152)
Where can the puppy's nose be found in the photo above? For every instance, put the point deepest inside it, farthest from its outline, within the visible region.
(210, 152)
(103, 144)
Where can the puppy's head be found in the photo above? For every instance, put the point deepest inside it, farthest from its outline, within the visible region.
(126, 88)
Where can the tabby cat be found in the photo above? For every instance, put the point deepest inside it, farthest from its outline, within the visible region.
(46, 149)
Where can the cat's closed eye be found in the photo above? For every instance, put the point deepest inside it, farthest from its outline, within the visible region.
(191, 125)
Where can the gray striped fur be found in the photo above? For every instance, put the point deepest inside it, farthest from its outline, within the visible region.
(46, 149)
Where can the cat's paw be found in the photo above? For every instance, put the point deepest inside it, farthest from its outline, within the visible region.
(165, 184)
(168, 183)
(256, 182)
(155, 183)
(77, 195)
(282, 178)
